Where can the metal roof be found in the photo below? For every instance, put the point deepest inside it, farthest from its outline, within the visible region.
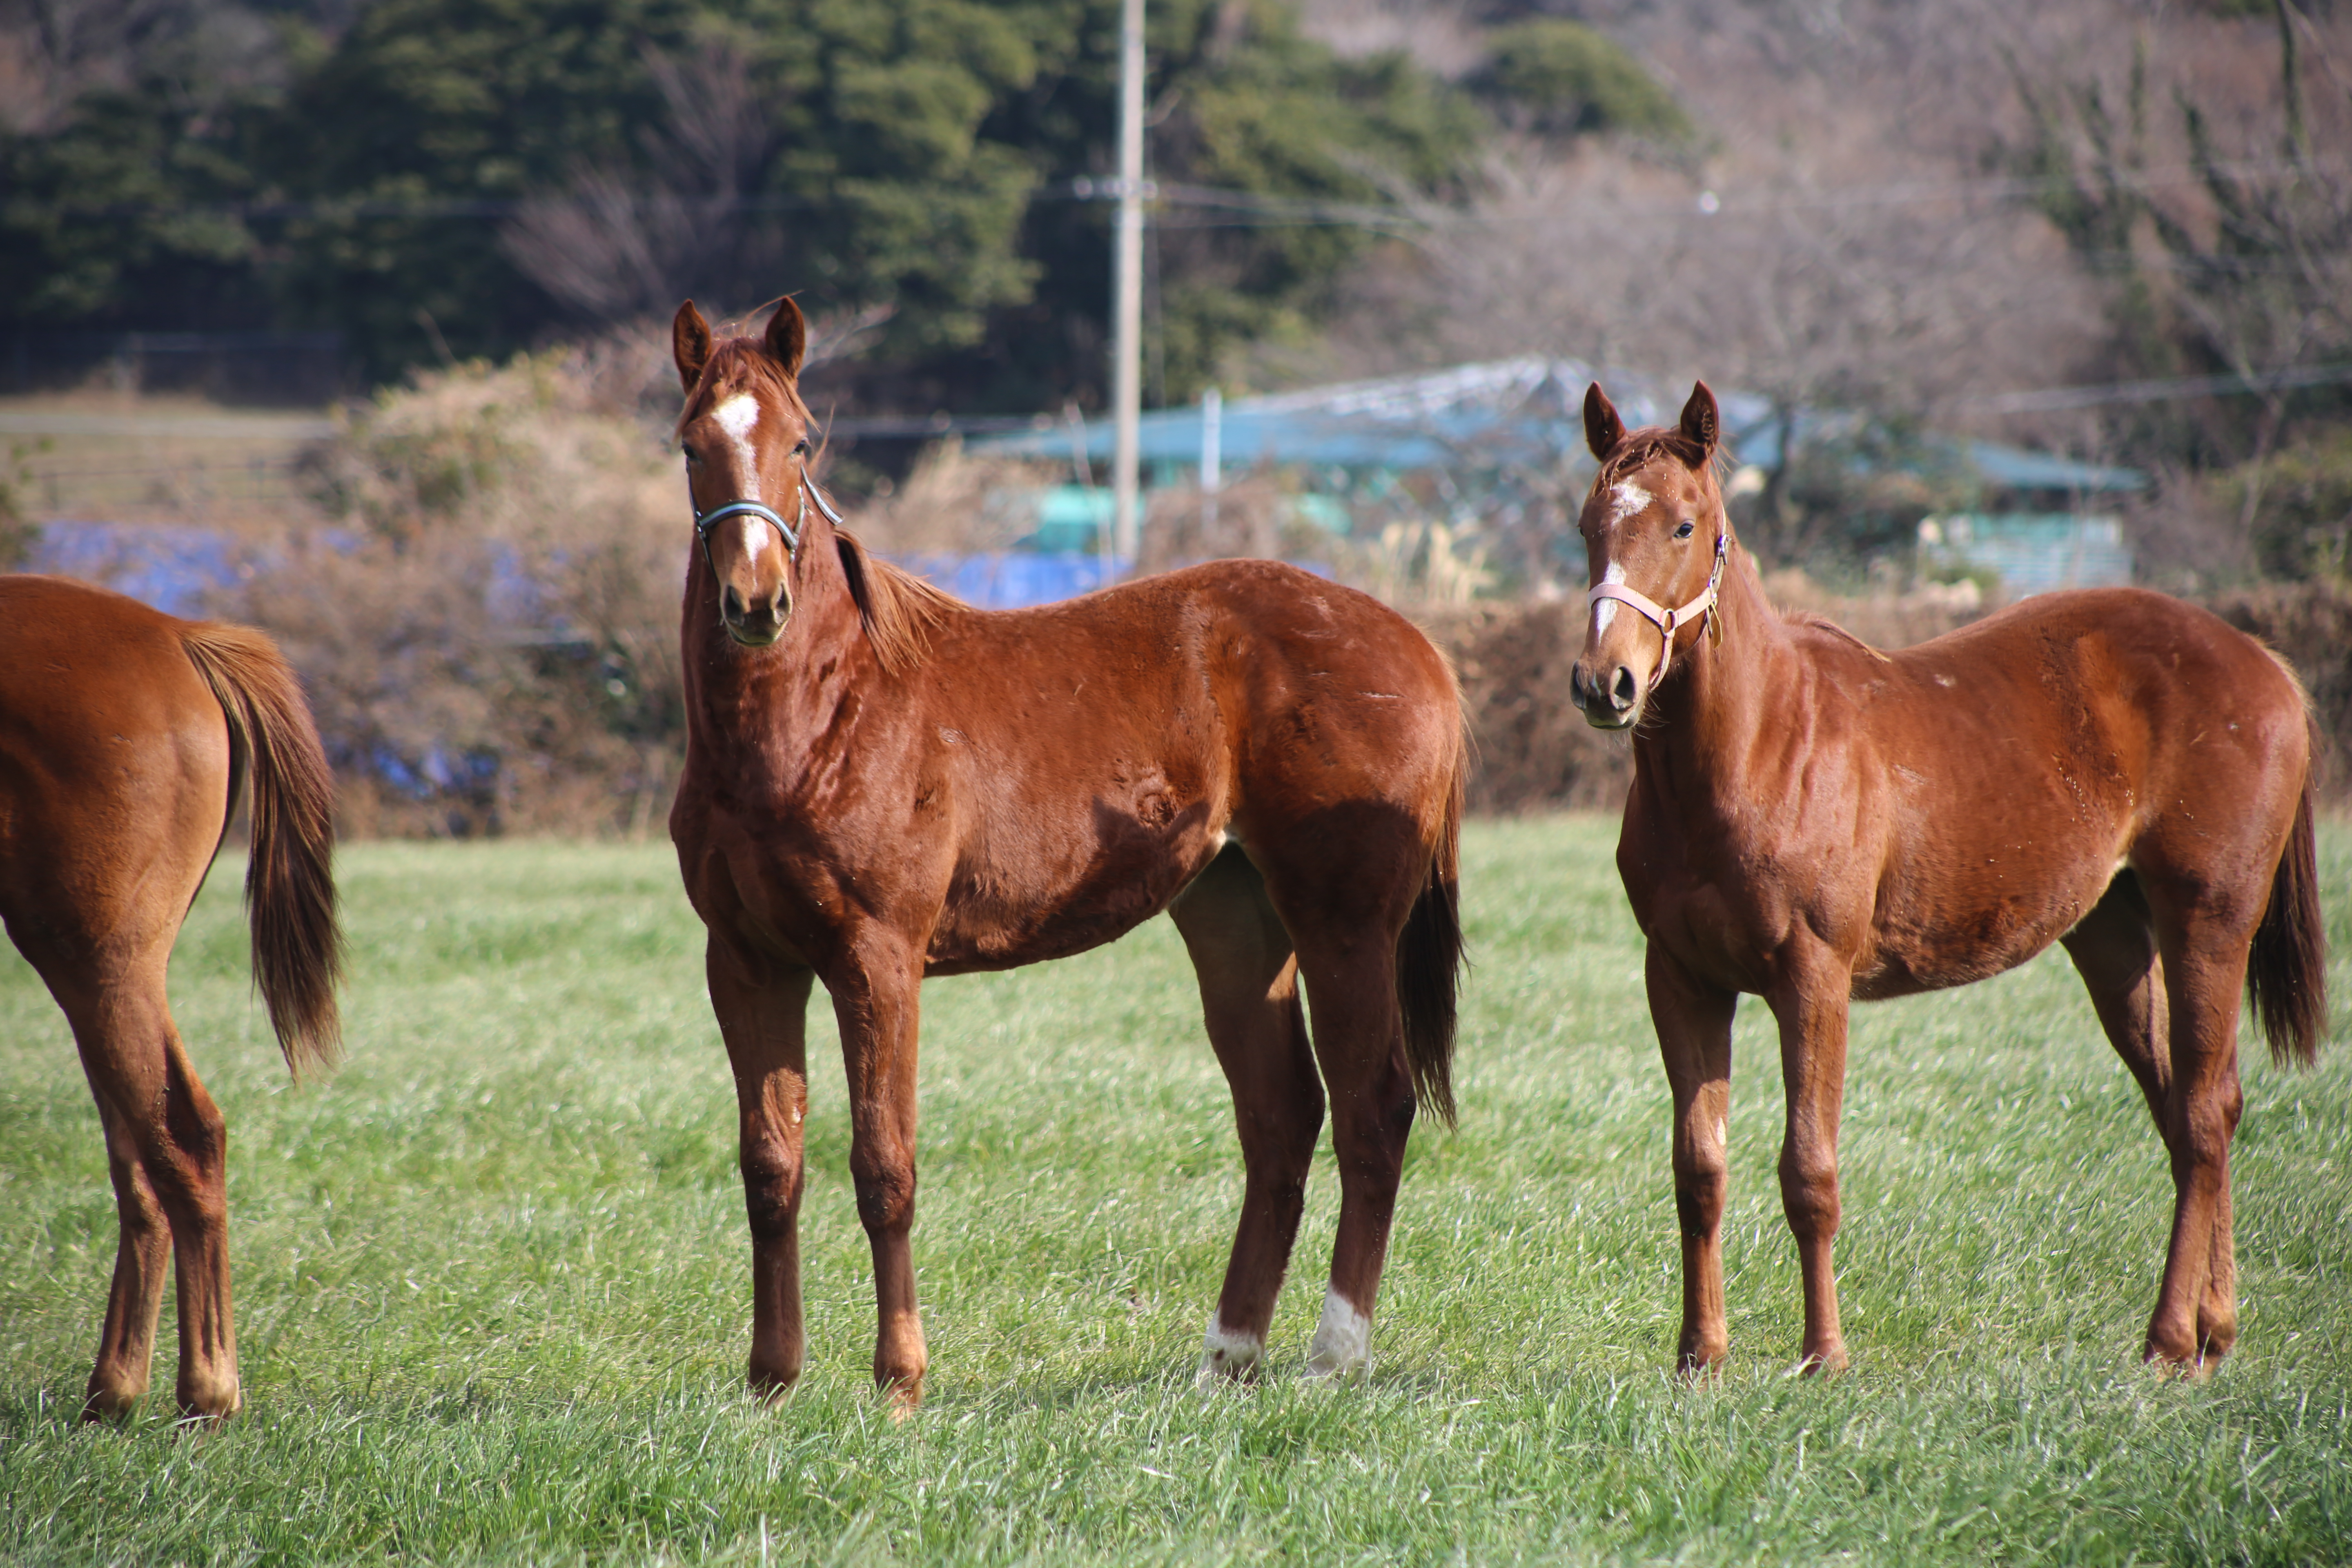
(1530, 406)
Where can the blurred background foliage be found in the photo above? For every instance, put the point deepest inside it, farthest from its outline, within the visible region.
(444, 179)
(2106, 229)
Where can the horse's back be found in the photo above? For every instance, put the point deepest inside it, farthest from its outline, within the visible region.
(1111, 744)
(115, 767)
(2163, 698)
(1320, 682)
(2025, 759)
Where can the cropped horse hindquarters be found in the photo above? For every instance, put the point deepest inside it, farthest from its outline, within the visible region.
(883, 784)
(1816, 822)
(125, 735)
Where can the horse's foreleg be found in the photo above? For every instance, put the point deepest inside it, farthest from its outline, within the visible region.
(1249, 997)
(764, 1016)
(878, 1008)
(2196, 1317)
(1694, 1025)
(1811, 1009)
(126, 1345)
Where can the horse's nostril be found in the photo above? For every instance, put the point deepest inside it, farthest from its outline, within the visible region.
(1576, 686)
(730, 604)
(1622, 690)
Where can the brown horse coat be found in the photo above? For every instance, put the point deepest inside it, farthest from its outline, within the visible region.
(1816, 822)
(882, 783)
(125, 735)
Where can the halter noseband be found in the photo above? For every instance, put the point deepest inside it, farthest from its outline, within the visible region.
(789, 531)
(1669, 622)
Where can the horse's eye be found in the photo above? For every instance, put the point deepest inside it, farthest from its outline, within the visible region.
(802, 449)
(693, 457)
(1685, 531)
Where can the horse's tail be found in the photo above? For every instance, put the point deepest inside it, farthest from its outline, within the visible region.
(289, 882)
(1428, 958)
(2286, 972)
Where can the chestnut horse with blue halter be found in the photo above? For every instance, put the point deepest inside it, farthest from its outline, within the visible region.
(125, 737)
(883, 784)
(1819, 823)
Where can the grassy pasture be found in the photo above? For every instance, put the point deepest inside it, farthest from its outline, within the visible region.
(493, 1305)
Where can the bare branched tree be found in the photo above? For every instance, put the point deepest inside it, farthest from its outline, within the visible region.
(623, 241)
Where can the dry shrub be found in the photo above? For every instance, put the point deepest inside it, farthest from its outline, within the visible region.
(489, 624)
(1254, 515)
(955, 503)
(2310, 625)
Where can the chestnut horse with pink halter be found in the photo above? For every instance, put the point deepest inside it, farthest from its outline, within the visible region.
(883, 784)
(126, 736)
(1818, 823)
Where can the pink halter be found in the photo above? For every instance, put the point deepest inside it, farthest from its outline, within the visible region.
(1668, 621)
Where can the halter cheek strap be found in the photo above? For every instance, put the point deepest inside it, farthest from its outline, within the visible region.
(1669, 622)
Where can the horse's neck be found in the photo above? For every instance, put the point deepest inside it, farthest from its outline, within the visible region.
(1704, 736)
(759, 713)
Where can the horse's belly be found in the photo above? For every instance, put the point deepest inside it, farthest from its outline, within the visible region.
(997, 921)
(2002, 918)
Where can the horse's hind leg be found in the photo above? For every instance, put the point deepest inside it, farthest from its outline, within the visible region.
(126, 1345)
(1347, 957)
(2196, 1317)
(1249, 996)
(2115, 950)
(168, 1147)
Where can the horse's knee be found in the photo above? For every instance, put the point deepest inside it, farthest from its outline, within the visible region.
(1809, 1193)
(886, 1191)
(772, 1191)
(1699, 1193)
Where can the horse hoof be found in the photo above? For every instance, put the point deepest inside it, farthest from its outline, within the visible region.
(210, 1406)
(903, 1398)
(110, 1403)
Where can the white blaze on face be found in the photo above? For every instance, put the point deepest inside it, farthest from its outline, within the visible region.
(1626, 500)
(1227, 1352)
(1605, 610)
(1343, 1339)
(738, 416)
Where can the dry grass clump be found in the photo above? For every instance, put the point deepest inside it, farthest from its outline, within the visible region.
(487, 616)
(2310, 625)
(954, 503)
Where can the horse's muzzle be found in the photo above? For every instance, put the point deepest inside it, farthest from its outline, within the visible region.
(1612, 704)
(755, 625)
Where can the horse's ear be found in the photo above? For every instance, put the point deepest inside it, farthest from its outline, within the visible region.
(1603, 428)
(689, 345)
(1701, 423)
(788, 336)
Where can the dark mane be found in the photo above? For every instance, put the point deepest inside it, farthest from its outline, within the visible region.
(1818, 623)
(898, 608)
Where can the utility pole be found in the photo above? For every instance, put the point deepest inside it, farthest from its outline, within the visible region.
(1127, 285)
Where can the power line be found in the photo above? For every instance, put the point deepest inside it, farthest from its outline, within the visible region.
(2158, 390)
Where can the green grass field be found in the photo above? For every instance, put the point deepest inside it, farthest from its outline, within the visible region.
(493, 1299)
